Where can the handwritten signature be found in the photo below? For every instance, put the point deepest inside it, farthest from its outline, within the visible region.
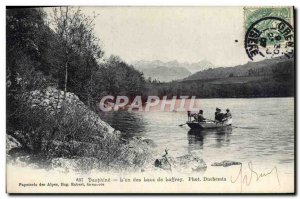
(245, 179)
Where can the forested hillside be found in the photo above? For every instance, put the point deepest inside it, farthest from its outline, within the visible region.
(267, 78)
(262, 68)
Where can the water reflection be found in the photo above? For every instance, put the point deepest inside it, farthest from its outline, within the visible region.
(197, 138)
(223, 136)
(129, 123)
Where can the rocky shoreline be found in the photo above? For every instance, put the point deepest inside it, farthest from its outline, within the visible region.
(94, 145)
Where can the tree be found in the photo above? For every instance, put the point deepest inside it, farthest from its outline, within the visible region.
(115, 77)
(76, 33)
(25, 41)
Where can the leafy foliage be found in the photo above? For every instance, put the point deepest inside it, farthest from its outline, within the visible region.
(269, 78)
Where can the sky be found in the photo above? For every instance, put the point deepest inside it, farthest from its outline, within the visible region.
(185, 34)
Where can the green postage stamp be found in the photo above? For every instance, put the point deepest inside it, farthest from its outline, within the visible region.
(269, 32)
(252, 14)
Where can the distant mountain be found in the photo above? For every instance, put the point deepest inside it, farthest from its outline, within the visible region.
(199, 66)
(165, 74)
(169, 71)
(261, 68)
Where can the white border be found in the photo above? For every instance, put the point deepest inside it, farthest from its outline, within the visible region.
(107, 3)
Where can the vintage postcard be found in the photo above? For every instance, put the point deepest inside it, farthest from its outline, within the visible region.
(189, 100)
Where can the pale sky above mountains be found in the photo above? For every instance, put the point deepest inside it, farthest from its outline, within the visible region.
(186, 34)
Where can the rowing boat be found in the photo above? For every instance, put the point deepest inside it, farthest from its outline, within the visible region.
(209, 124)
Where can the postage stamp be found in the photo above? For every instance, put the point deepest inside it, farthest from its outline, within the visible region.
(269, 32)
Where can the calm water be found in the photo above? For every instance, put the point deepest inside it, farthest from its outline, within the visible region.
(263, 131)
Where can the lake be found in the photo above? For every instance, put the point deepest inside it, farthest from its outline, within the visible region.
(262, 132)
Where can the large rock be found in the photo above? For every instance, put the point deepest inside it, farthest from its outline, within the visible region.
(74, 137)
(182, 164)
(190, 163)
(53, 101)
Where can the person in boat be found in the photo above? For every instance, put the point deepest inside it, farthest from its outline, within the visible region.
(228, 114)
(201, 117)
(218, 115)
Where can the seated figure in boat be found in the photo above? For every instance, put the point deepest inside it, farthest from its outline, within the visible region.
(201, 117)
(218, 115)
(217, 112)
(228, 114)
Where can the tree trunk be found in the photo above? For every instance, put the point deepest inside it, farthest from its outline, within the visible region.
(66, 51)
(66, 79)
(91, 89)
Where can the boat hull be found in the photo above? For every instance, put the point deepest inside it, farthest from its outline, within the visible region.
(209, 125)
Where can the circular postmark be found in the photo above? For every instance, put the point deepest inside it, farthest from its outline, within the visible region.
(269, 37)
